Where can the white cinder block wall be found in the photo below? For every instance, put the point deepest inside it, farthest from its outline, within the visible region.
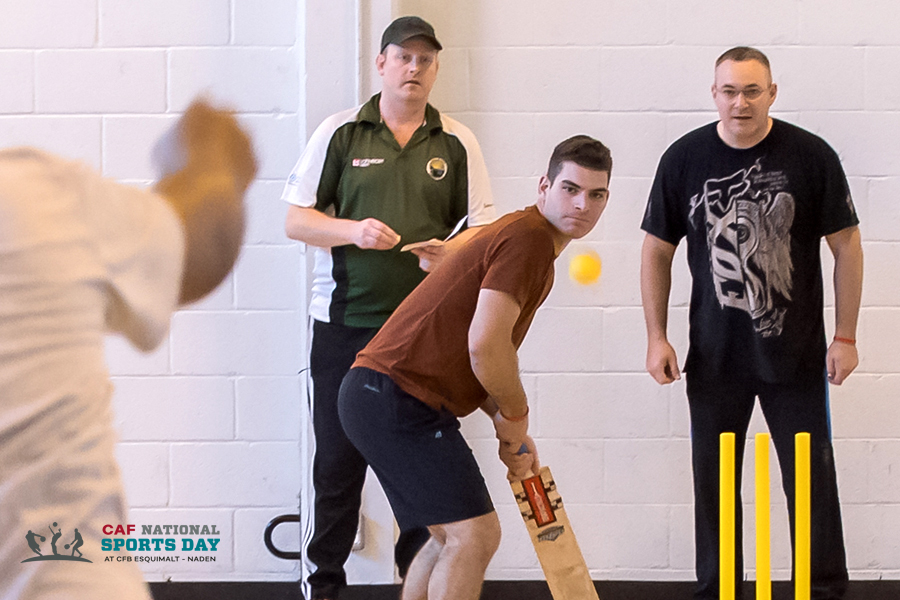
(209, 421)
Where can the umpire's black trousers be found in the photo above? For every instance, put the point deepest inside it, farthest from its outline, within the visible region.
(330, 509)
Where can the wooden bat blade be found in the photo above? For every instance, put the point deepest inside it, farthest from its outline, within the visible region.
(551, 534)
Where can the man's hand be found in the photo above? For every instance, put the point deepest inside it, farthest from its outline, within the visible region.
(840, 361)
(662, 363)
(372, 234)
(206, 162)
(434, 251)
(206, 140)
(511, 431)
(520, 465)
(430, 256)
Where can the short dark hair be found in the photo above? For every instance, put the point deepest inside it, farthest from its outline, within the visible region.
(742, 53)
(584, 151)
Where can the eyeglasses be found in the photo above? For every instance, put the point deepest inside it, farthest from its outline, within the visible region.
(749, 93)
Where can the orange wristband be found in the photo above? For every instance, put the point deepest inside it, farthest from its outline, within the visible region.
(515, 419)
(850, 341)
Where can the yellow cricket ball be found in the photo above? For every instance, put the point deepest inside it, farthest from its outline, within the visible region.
(585, 268)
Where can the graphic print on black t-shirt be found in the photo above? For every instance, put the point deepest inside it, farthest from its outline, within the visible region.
(748, 220)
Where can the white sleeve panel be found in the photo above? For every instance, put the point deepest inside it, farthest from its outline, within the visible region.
(481, 200)
(303, 182)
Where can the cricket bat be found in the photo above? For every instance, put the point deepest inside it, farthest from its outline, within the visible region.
(553, 539)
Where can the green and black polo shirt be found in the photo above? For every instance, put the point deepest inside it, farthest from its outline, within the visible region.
(354, 168)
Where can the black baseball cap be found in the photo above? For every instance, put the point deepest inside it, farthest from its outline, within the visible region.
(406, 28)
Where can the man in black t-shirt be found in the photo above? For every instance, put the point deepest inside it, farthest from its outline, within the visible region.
(754, 196)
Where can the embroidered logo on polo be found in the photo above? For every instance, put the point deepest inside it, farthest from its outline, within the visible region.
(366, 162)
(437, 168)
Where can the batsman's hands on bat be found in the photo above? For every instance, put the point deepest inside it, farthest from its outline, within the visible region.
(512, 431)
(372, 234)
(521, 461)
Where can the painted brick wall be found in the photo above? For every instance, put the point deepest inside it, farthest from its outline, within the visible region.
(525, 74)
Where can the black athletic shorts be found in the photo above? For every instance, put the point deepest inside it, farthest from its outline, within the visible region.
(424, 464)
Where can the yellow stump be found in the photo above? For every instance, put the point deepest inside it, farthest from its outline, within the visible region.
(802, 517)
(726, 517)
(763, 520)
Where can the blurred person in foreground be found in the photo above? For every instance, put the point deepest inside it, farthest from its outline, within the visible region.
(82, 256)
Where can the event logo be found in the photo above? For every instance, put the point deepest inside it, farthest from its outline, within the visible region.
(56, 533)
(124, 539)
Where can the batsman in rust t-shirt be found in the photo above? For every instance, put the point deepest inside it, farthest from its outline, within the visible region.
(424, 346)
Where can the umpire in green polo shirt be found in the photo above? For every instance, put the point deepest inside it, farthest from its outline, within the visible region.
(372, 179)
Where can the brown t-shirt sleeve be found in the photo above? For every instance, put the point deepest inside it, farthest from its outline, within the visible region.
(518, 262)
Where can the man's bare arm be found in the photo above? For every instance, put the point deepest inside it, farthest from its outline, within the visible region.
(656, 283)
(313, 227)
(842, 357)
(216, 164)
(496, 365)
(492, 353)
